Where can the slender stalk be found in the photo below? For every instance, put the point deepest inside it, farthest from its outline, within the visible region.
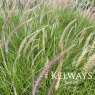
(47, 67)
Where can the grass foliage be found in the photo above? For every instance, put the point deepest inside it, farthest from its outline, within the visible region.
(34, 37)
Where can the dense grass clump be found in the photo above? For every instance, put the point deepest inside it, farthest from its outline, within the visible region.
(34, 37)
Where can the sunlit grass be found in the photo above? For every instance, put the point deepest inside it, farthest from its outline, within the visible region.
(45, 31)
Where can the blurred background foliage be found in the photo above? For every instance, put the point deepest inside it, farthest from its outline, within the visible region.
(7, 4)
(84, 3)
